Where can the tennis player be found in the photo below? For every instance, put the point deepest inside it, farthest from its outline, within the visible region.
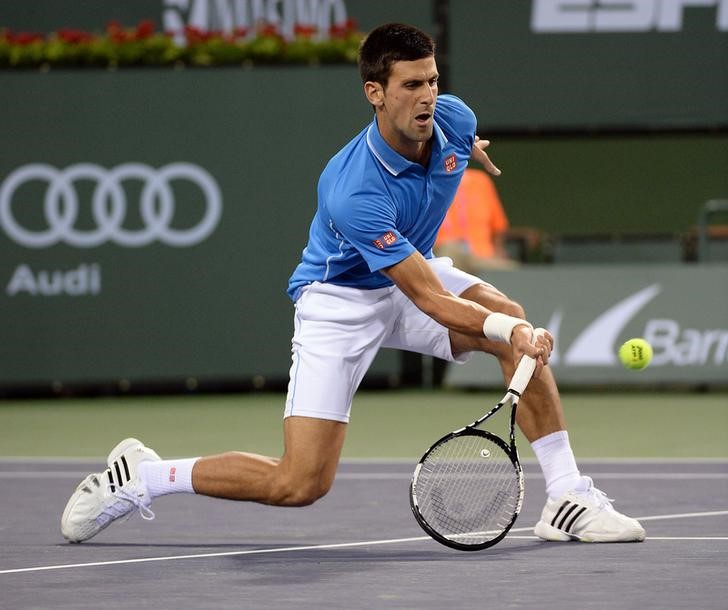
(368, 279)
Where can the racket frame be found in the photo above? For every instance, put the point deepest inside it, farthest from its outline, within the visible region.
(517, 386)
(509, 449)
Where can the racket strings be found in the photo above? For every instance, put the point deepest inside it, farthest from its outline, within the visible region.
(468, 489)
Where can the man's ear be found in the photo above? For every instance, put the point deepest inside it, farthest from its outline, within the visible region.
(374, 93)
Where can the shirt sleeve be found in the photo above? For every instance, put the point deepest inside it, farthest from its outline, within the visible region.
(457, 119)
(368, 224)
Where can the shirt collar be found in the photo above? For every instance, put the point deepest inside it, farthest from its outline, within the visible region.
(392, 161)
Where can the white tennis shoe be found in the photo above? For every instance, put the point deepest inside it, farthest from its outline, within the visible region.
(586, 516)
(103, 497)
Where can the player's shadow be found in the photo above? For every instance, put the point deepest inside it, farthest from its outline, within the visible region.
(272, 553)
(212, 547)
(437, 553)
(267, 553)
(304, 567)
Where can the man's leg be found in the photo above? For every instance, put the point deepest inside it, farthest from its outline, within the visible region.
(575, 509)
(304, 474)
(539, 411)
(338, 332)
(540, 415)
(136, 475)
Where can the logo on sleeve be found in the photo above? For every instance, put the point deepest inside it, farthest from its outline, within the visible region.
(451, 163)
(385, 240)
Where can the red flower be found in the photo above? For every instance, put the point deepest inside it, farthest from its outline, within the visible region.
(113, 26)
(72, 36)
(268, 29)
(145, 29)
(116, 32)
(304, 30)
(342, 30)
(194, 35)
(23, 38)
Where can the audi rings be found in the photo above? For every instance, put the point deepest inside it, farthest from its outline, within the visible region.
(109, 205)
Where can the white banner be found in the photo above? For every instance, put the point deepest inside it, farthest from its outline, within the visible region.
(681, 310)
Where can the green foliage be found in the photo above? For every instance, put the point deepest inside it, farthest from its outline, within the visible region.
(142, 46)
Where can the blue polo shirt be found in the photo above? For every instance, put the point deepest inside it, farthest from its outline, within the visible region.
(375, 207)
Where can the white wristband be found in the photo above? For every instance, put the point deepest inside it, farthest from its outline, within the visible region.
(499, 326)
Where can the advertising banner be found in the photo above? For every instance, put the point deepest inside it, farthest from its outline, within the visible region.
(523, 65)
(148, 228)
(681, 310)
(150, 217)
(592, 64)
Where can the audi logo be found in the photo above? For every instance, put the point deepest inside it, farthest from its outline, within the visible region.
(109, 205)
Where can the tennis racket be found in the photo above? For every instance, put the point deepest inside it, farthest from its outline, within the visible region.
(467, 489)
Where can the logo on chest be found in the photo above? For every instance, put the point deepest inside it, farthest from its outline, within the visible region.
(385, 240)
(451, 163)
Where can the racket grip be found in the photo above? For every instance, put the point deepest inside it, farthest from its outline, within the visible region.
(525, 368)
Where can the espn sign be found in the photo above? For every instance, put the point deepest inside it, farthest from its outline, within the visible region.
(579, 16)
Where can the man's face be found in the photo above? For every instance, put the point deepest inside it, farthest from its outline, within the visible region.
(407, 105)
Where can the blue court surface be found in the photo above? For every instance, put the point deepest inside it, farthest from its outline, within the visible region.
(361, 548)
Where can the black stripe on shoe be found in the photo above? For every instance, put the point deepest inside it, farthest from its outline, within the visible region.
(558, 512)
(572, 508)
(118, 474)
(126, 469)
(111, 480)
(576, 516)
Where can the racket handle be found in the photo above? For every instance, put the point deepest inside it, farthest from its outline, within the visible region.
(525, 368)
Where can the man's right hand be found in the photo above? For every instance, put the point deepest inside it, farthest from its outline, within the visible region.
(521, 343)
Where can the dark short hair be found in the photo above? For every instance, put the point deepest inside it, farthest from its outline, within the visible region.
(388, 44)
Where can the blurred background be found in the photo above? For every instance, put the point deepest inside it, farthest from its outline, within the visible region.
(159, 163)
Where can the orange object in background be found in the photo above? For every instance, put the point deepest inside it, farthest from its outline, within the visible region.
(475, 225)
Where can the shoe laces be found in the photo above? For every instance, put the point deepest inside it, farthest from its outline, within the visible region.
(125, 496)
(597, 496)
(146, 513)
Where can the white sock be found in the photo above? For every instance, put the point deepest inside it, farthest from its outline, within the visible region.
(557, 462)
(167, 476)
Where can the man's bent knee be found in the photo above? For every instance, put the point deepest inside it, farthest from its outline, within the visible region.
(308, 466)
(292, 492)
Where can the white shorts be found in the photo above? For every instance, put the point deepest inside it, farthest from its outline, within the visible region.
(339, 330)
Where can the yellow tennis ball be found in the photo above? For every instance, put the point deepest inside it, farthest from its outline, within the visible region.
(635, 354)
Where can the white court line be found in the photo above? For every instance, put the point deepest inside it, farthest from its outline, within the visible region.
(669, 538)
(715, 513)
(224, 554)
(401, 476)
(648, 537)
(18, 459)
(344, 545)
(597, 475)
